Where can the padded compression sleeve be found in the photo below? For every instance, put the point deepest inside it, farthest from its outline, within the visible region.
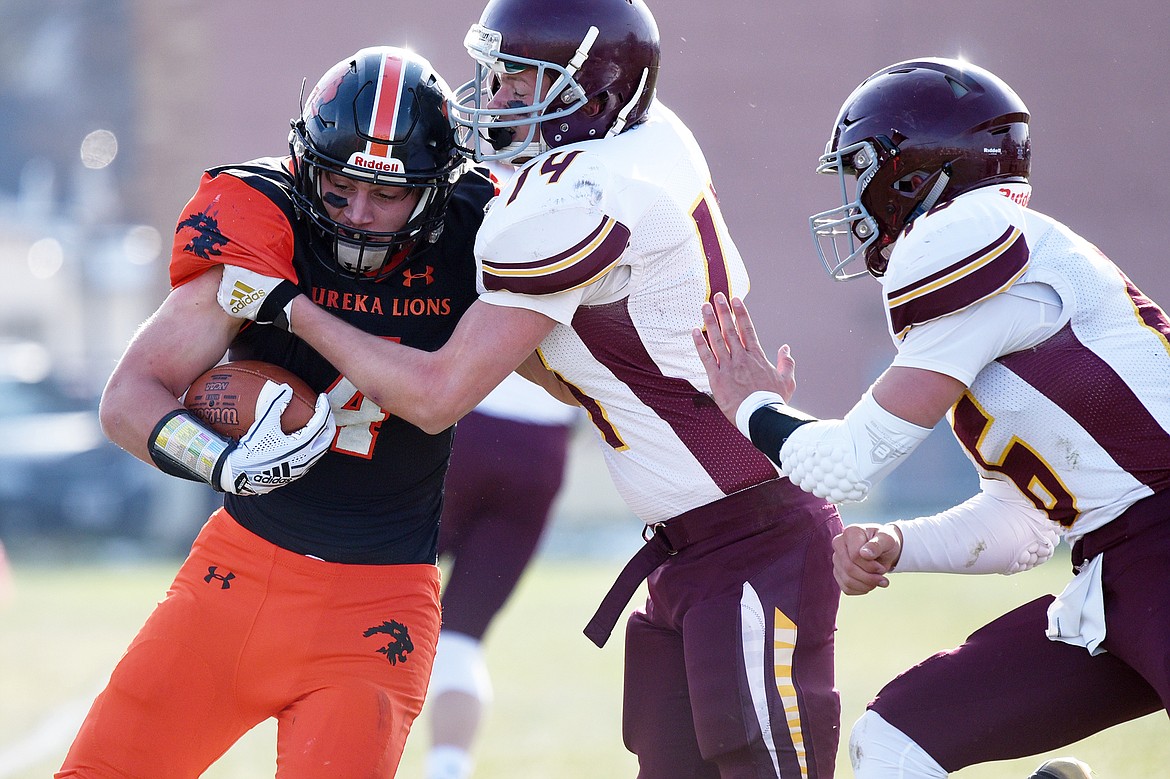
(840, 459)
(985, 534)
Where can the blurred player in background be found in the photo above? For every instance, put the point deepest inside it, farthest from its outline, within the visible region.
(506, 471)
(5, 577)
(1051, 368)
(316, 603)
(599, 251)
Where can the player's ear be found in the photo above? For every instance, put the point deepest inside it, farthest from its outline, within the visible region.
(595, 105)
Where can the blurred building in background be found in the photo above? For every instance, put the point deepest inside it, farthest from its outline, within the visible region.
(110, 110)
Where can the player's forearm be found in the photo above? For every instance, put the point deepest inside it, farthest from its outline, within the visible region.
(184, 337)
(129, 410)
(535, 371)
(838, 459)
(982, 535)
(431, 390)
(409, 383)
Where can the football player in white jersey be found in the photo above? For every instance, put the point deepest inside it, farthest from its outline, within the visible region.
(594, 260)
(1050, 366)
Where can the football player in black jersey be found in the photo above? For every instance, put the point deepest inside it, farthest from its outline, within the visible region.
(316, 603)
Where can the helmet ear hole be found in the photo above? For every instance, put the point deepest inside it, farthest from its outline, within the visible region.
(911, 182)
(595, 105)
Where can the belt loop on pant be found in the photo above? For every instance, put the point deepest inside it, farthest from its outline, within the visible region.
(659, 530)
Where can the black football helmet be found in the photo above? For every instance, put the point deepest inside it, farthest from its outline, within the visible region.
(379, 116)
(602, 55)
(915, 135)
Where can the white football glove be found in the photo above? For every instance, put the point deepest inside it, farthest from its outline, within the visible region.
(266, 457)
(266, 300)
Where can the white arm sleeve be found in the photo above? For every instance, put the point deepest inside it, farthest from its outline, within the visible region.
(840, 459)
(990, 533)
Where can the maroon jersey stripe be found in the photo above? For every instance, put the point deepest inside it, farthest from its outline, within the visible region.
(597, 253)
(1151, 315)
(596, 414)
(933, 296)
(1090, 391)
(712, 250)
(729, 458)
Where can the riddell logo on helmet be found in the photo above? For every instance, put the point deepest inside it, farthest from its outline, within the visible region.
(378, 164)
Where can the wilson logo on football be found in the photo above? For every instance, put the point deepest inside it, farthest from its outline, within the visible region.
(244, 296)
(219, 416)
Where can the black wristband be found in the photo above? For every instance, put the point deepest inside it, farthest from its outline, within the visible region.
(272, 310)
(771, 425)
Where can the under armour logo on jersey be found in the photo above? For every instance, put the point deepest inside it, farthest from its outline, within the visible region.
(208, 239)
(409, 278)
(400, 644)
(225, 578)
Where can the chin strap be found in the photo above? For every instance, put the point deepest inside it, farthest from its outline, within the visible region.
(620, 123)
(944, 178)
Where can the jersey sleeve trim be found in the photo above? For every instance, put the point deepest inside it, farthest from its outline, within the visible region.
(582, 264)
(234, 218)
(976, 277)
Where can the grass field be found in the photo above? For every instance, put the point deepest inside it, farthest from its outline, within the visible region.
(557, 709)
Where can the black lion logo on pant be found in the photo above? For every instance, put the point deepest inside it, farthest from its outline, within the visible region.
(400, 644)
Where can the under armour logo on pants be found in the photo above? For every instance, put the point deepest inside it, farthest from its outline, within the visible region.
(226, 579)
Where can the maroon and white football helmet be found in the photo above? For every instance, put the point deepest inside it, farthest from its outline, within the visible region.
(912, 136)
(603, 59)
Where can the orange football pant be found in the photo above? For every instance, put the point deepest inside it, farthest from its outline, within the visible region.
(340, 655)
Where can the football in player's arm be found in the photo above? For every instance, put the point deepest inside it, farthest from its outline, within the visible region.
(598, 251)
(312, 596)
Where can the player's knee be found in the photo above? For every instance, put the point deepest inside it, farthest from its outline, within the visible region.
(460, 667)
(878, 749)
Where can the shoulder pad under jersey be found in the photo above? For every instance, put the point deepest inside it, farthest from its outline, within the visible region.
(552, 227)
(954, 256)
(240, 215)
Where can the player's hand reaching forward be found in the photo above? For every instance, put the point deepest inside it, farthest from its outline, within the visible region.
(862, 556)
(735, 362)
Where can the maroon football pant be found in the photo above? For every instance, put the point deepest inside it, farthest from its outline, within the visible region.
(729, 670)
(503, 478)
(1009, 692)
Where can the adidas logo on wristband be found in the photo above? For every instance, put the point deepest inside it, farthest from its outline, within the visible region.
(243, 296)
